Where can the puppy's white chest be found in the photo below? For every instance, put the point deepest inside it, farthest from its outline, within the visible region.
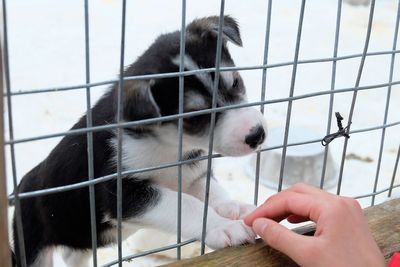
(169, 177)
(155, 160)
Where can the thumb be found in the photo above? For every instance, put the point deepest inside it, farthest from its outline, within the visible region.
(282, 239)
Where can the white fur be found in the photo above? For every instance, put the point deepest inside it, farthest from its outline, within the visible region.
(76, 258)
(219, 199)
(190, 64)
(233, 209)
(232, 129)
(230, 133)
(44, 259)
(221, 232)
(10, 228)
(227, 78)
(194, 101)
(110, 235)
(106, 218)
(150, 152)
(148, 239)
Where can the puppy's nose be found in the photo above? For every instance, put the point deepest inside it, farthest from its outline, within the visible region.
(255, 137)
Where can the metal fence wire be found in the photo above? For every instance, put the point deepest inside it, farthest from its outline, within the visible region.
(263, 101)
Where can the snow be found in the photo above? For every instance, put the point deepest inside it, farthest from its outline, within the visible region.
(46, 48)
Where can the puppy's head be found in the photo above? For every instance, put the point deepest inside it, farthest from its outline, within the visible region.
(237, 131)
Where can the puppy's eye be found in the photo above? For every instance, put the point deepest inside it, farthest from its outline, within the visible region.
(235, 83)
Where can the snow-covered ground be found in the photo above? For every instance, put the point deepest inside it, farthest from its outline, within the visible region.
(46, 46)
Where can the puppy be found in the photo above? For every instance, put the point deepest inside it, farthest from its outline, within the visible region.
(149, 199)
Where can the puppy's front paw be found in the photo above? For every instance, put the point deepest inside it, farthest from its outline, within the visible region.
(234, 210)
(231, 233)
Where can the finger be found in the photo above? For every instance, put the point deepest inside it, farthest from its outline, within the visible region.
(307, 189)
(282, 239)
(287, 203)
(304, 189)
(297, 219)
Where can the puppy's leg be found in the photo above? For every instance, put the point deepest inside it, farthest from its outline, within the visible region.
(76, 258)
(221, 232)
(219, 199)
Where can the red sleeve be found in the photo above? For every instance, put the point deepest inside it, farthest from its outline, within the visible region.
(395, 260)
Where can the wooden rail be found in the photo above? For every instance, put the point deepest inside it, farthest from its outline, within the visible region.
(383, 219)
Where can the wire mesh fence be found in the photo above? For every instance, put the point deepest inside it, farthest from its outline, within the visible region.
(386, 87)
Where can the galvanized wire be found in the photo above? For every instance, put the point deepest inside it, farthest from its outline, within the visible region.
(89, 123)
(394, 172)
(180, 125)
(152, 251)
(119, 135)
(263, 92)
(18, 219)
(198, 112)
(388, 94)
(357, 84)
(192, 72)
(373, 194)
(291, 93)
(212, 125)
(331, 97)
(172, 164)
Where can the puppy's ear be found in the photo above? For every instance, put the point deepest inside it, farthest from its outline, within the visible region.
(208, 27)
(139, 103)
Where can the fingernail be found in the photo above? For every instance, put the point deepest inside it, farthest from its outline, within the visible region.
(259, 225)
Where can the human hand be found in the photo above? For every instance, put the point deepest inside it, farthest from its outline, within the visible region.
(342, 236)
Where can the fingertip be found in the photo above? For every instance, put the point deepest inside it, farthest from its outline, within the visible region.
(249, 219)
(259, 226)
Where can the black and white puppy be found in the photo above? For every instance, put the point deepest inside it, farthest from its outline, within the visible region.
(149, 198)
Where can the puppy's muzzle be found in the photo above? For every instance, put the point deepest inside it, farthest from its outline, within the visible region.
(240, 132)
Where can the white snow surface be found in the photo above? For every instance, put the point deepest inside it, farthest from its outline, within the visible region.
(47, 50)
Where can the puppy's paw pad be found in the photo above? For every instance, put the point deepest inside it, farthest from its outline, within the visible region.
(232, 233)
(234, 210)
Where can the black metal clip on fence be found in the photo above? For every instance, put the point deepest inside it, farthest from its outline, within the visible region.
(341, 132)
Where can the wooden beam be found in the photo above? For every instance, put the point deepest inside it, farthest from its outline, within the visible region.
(383, 219)
(4, 245)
